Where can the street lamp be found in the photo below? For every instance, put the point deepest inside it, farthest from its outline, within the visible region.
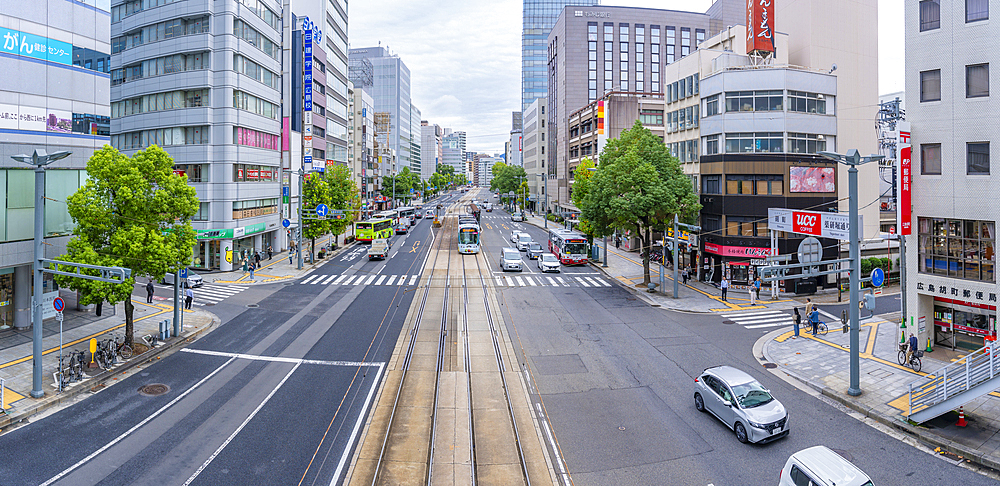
(853, 159)
(39, 159)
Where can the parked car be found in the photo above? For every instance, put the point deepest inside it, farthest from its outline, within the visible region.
(510, 259)
(534, 250)
(820, 466)
(193, 280)
(523, 241)
(741, 403)
(548, 263)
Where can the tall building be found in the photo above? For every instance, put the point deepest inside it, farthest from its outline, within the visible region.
(55, 97)
(453, 150)
(947, 215)
(516, 120)
(362, 149)
(484, 170)
(391, 91)
(538, 17)
(430, 149)
(416, 155)
(534, 152)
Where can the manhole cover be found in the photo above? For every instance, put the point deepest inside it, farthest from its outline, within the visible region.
(844, 454)
(154, 389)
(728, 322)
(252, 306)
(770, 365)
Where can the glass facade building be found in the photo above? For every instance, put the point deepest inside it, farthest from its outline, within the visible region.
(538, 18)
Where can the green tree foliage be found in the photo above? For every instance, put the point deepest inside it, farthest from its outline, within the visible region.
(638, 186)
(446, 170)
(337, 190)
(315, 191)
(460, 180)
(506, 178)
(405, 181)
(438, 181)
(132, 212)
(344, 195)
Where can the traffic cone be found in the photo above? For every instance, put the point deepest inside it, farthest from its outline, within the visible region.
(961, 418)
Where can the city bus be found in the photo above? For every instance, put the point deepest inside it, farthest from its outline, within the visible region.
(468, 238)
(388, 214)
(372, 229)
(569, 246)
(406, 216)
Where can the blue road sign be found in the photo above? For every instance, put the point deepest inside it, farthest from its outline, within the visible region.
(878, 277)
(184, 273)
(58, 304)
(284, 190)
(286, 223)
(321, 210)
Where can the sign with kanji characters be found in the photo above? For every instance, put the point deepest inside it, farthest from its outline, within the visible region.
(35, 46)
(815, 223)
(905, 178)
(760, 26)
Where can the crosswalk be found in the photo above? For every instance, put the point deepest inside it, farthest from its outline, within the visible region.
(207, 294)
(500, 280)
(760, 319)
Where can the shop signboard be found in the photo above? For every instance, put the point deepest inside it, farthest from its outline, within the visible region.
(228, 234)
(760, 26)
(905, 177)
(737, 251)
(48, 298)
(35, 46)
(815, 223)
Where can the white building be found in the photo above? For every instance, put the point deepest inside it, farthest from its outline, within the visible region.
(534, 151)
(430, 149)
(486, 170)
(951, 248)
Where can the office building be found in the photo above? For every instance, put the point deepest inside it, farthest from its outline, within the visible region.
(361, 153)
(430, 149)
(55, 97)
(538, 17)
(516, 120)
(534, 152)
(453, 150)
(513, 148)
(416, 156)
(391, 91)
(950, 232)
(484, 171)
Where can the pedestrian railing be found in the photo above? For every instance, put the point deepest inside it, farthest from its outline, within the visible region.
(956, 384)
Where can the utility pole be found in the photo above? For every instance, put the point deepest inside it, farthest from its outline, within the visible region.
(888, 125)
(298, 245)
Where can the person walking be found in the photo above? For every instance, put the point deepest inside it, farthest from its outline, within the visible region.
(757, 284)
(809, 307)
(291, 253)
(188, 298)
(251, 267)
(796, 321)
(149, 292)
(814, 320)
(684, 275)
(256, 258)
(270, 252)
(724, 285)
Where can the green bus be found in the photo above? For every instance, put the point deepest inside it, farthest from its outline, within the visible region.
(373, 229)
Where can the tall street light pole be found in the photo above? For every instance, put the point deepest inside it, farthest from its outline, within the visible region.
(853, 159)
(545, 205)
(39, 159)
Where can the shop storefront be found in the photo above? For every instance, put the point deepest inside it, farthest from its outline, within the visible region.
(965, 325)
(219, 246)
(739, 264)
(6, 297)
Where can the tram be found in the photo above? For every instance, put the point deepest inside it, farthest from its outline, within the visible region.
(468, 235)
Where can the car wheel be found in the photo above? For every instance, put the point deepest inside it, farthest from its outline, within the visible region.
(741, 433)
(699, 404)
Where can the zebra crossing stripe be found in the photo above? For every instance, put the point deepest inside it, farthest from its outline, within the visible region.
(603, 282)
(531, 281)
(562, 282)
(349, 278)
(771, 324)
(510, 282)
(380, 279)
(370, 279)
(520, 283)
(551, 282)
(413, 279)
(499, 280)
(593, 281)
(309, 280)
(747, 314)
(339, 279)
(359, 280)
(391, 279)
(582, 282)
(329, 279)
(755, 320)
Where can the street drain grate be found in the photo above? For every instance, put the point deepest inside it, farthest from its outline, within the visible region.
(154, 389)
(728, 322)
(252, 306)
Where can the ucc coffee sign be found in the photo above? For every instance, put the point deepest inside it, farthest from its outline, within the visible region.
(814, 223)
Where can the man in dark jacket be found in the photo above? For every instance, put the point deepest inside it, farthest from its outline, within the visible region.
(149, 292)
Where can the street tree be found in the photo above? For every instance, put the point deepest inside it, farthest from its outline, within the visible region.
(506, 178)
(582, 176)
(315, 191)
(133, 212)
(344, 195)
(406, 181)
(638, 186)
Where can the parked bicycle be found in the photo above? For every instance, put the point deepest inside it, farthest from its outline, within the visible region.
(914, 358)
(70, 369)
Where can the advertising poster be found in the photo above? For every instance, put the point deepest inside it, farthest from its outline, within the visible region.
(812, 179)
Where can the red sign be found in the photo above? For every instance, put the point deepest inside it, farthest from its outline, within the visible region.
(892, 230)
(905, 178)
(179, 172)
(806, 223)
(737, 251)
(253, 174)
(239, 173)
(760, 26)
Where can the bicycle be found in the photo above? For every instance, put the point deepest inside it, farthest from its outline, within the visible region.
(914, 362)
(121, 348)
(821, 328)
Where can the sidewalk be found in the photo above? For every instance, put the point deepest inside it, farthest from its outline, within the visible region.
(79, 327)
(276, 269)
(822, 363)
(695, 296)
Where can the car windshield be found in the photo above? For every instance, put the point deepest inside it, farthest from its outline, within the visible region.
(549, 258)
(534, 246)
(750, 395)
(511, 255)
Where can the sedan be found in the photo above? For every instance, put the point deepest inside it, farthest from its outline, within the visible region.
(534, 250)
(517, 216)
(741, 403)
(193, 280)
(429, 213)
(548, 263)
(401, 229)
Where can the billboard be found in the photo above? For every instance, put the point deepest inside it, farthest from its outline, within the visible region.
(760, 26)
(812, 179)
(814, 223)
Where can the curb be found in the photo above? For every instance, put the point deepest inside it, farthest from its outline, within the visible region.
(307, 269)
(10, 419)
(897, 424)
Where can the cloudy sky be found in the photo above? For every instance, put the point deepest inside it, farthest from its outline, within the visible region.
(465, 55)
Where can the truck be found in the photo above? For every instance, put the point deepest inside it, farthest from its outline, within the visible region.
(379, 249)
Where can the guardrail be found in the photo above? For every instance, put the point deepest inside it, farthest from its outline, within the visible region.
(939, 392)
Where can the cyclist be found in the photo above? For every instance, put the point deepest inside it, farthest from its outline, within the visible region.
(814, 319)
(911, 348)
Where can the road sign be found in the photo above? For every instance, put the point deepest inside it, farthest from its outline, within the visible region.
(322, 209)
(184, 273)
(286, 223)
(878, 277)
(892, 230)
(58, 304)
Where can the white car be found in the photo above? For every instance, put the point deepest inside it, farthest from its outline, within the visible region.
(523, 241)
(514, 234)
(510, 259)
(429, 213)
(821, 466)
(193, 280)
(741, 403)
(548, 263)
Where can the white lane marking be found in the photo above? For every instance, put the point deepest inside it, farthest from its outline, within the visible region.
(771, 324)
(520, 282)
(357, 428)
(531, 281)
(136, 426)
(499, 280)
(747, 314)
(593, 281)
(562, 282)
(308, 280)
(582, 282)
(370, 279)
(280, 359)
(348, 281)
(391, 279)
(510, 281)
(359, 280)
(552, 443)
(603, 282)
(380, 279)
(552, 282)
(240, 428)
(337, 282)
(328, 280)
(413, 280)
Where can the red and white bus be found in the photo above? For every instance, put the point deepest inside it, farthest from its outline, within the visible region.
(569, 246)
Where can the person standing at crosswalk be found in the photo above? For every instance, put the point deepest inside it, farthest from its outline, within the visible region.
(724, 285)
(753, 293)
(188, 298)
(149, 292)
(797, 319)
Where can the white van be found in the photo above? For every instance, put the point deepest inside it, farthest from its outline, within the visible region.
(523, 241)
(820, 466)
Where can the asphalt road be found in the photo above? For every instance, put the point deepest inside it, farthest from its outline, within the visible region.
(614, 377)
(275, 395)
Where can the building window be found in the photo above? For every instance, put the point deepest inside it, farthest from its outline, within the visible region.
(806, 143)
(699, 37)
(202, 214)
(977, 80)
(957, 248)
(712, 106)
(756, 184)
(711, 184)
(930, 159)
(807, 102)
(685, 41)
(753, 100)
(671, 42)
(711, 145)
(651, 117)
(930, 85)
(194, 172)
(759, 142)
(976, 10)
(930, 14)
(978, 158)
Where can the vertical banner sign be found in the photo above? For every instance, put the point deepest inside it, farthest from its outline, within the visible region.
(307, 93)
(905, 177)
(602, 133)
(760, 26)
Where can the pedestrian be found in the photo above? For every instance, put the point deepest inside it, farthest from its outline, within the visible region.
(251, 267)
(684, 275)
(618, 242)
(753, 293)
(291, 253)
(724, 285)
(149, 292)
(814, 320)
(797, 319)
(188, 298)
(256, 258)
(809, 307)
(757, 284)
(244, 263)
(270, 252)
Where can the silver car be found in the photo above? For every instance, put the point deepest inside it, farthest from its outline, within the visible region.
(534, 250)
(193, 280)
(741, 403)
(510, 259)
